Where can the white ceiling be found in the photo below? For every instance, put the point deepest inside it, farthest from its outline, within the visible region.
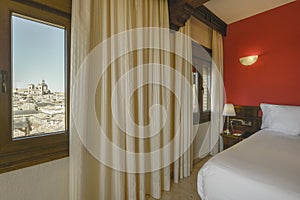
(234, 10)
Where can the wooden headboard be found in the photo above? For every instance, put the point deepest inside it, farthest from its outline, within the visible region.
(247, 119)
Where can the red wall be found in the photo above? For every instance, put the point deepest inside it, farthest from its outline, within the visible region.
(275, 77)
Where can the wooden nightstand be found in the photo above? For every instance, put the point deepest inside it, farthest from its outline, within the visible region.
(230, 140)
(247, 121)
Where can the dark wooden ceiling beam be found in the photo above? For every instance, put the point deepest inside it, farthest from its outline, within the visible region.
(210, 19)
(181, 10)
(196, 3)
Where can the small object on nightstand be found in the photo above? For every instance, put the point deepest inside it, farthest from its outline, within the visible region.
(237, 134)
(228, 111)
(231, 139)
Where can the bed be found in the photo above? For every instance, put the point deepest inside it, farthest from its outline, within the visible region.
(264, 166)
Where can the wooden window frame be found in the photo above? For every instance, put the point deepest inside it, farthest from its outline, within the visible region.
(201, 116)
(19, 152)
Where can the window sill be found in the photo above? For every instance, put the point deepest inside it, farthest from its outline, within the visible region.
(19, 154)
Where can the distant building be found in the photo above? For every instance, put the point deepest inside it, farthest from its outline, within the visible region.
(30, 87)
(41, 88)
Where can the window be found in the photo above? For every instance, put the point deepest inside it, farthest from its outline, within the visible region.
(34, 78)
(38, 59)
(201, 83)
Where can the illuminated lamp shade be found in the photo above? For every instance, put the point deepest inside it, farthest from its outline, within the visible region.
(248, 60)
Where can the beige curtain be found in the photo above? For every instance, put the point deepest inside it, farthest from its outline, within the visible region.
(131, 103)
(217, 92)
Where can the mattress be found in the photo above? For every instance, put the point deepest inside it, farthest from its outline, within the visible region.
(264, 166)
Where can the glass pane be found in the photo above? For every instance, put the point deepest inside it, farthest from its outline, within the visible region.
(195, 92)
(38, 68)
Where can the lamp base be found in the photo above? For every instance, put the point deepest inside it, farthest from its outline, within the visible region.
(227, 132)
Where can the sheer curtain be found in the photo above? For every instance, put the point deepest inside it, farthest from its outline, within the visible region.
(211, 134)
(131, 100)
(217, 92)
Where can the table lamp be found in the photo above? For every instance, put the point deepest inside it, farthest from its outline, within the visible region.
(227, 112)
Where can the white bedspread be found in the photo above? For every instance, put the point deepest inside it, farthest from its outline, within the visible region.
(266, 166)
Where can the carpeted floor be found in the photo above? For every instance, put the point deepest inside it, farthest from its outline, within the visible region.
(186, 189)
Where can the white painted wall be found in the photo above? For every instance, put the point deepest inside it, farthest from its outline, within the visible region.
(48, 181)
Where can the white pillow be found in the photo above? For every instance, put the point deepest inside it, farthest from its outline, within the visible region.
(279, 118)
(265, 114)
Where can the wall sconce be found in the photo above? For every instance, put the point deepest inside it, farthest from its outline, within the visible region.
(248, 60)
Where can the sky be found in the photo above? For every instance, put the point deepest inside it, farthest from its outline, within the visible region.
(37, 54)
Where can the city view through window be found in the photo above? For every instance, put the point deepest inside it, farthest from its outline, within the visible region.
(38, 82)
